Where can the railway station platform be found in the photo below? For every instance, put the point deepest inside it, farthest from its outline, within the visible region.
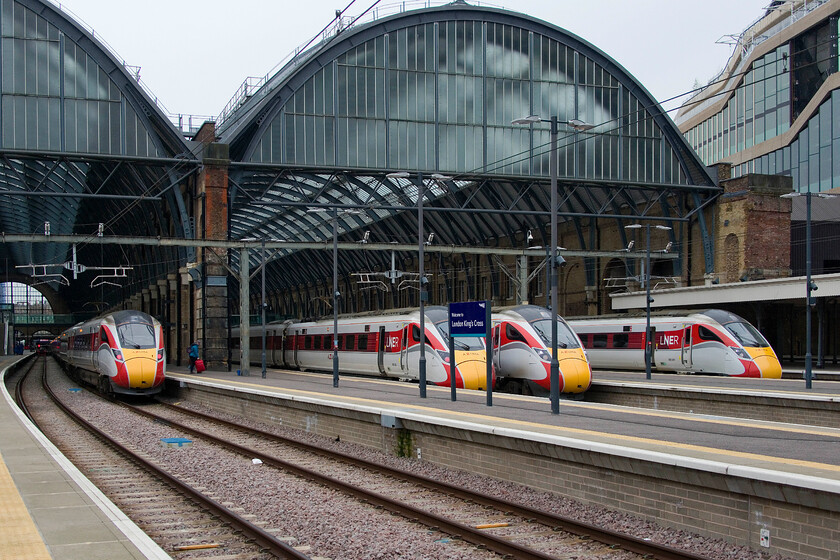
(49, 509)
(771, 485)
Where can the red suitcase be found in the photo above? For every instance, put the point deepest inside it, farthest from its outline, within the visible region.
(199, 365)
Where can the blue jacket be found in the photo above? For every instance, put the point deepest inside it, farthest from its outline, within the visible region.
(194, 351)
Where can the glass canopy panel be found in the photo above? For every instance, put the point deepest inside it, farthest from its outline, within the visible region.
(49, 85)
(442, 97)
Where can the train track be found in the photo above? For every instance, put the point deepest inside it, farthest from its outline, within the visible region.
(178, 517)
(470, 516)
(499, 527)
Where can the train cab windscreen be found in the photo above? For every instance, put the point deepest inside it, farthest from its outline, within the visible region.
(746, 334)
(739, 328)
(565, 337)
(135, 331)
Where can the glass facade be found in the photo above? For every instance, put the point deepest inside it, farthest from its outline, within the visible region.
(774, 92)
(759, 109)
(56, 97)
(442, 96)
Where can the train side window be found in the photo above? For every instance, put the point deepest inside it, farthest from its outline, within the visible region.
(513, 333)
(599, 340)
(363, 341)
(620, 340)
(317, 342)
(307, 342)
(350, 342)
(707, 334)
(415, 334)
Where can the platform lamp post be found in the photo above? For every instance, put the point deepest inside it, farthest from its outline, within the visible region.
(262, 305)
(422, 281)
(336, 293)
(648, 300)
(555, 260)
(809, 285)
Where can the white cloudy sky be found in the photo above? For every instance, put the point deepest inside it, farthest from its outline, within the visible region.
(194, 54)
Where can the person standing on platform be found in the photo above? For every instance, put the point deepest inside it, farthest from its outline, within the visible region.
(193, 354)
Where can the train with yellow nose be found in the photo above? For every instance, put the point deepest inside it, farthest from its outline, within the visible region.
(120, 353)
(703, 341)
(522, 352)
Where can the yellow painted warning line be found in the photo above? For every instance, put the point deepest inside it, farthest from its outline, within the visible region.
(21, 539)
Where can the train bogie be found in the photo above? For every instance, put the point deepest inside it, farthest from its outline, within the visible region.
(708, 341)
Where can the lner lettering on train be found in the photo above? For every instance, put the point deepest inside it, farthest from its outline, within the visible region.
(392, 343)
(668, 340)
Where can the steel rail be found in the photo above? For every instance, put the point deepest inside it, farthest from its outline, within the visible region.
(260, 536)
(605, 536)
(459, 530)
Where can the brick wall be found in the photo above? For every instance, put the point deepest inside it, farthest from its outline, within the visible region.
(801, 523)
(752, 217)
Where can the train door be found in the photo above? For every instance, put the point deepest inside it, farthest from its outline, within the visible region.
(686, 347)
(380, 351)
(97, 337)
(650, 340)
(496, 345)
(281, 352)
(404, 348)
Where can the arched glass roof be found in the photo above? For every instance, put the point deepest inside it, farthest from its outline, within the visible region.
(82, 144)
(434, 91)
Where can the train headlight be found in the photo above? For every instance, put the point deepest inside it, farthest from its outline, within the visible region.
(741, 353)
(160, 354)
(443, 356)
(118, 355)
(543, 354)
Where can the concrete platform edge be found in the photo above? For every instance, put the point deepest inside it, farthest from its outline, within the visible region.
(131, 531)
(729, 469)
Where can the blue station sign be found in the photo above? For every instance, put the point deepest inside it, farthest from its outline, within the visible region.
(468, 318)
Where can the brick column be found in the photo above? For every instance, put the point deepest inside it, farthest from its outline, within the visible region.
(154, 301)
(145, 302)
(186, 327)
(172, 327)
(211, 296)
(751, 220)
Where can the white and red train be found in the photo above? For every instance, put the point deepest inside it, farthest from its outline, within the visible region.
(522, 352)
(380, 344)
(710, 341)
(386, 344)
(121, 352)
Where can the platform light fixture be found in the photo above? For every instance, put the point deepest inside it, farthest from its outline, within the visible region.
(437, 177)
(646, 276)
(578, 126)
(809, 285)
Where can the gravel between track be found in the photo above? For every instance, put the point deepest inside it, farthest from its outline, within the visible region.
(333, 527)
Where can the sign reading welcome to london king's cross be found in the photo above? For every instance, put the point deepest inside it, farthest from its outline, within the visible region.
(468, 318)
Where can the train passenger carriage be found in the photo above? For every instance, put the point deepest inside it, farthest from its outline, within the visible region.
(710, 341)
(121, 352)
(378, 344)
(522, 352)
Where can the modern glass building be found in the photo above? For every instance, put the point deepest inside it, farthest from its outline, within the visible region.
(775, 108)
